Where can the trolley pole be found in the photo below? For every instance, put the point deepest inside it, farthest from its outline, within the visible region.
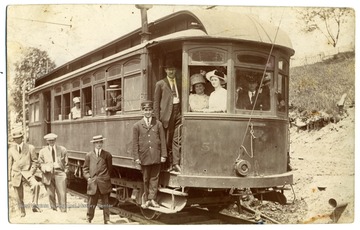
(144, 22)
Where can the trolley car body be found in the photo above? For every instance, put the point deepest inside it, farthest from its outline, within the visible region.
(214, 145)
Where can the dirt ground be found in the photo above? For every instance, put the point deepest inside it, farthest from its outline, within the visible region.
(323, 165)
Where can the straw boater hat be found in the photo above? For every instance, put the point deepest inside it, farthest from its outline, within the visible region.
(218, 74)
(113, 88)
(76, 100)
(17, 134)
(97, 138)
(50, 136)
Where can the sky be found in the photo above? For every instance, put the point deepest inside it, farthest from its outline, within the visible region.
(47, 28)
(69, 31)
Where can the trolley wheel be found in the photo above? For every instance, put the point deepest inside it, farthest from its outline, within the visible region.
(149, 214)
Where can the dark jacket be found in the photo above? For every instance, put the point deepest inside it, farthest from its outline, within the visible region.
(98, 169)
(262, 102)
(149, 143)
(163, 100)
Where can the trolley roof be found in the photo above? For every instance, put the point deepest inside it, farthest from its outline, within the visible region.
(199, 23)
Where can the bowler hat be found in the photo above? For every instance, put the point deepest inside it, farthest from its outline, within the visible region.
(147, 104)
(50, 136)
(97, 138)
(169, 63)
(218, 74)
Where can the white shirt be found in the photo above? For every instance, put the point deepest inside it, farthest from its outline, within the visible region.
(146, 121)
(75, 112)
(56, 164)
(20, 146)
(172, 82)
(97, 152)
(251, 94)
(218, 100)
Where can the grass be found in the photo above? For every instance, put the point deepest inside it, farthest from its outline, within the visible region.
(318, 87)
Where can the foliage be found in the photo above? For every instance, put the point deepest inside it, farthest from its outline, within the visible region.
(326, 20)
(35, 64)
(320, 86)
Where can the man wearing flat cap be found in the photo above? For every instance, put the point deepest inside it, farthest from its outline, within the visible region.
(114, 101)
(96, 170)
(22, 165)
(149, 150)
(167, 109)
(54, 161)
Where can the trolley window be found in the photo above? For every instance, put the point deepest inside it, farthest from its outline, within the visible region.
(57, 108)
(86, 100)
(132, 94)
(208, 55)
(99, 99)
(255, 60)
(252, 92)
(281, 95)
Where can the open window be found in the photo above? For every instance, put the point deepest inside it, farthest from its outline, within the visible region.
(252, 90)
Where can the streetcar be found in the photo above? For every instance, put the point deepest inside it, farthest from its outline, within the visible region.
(223, 155)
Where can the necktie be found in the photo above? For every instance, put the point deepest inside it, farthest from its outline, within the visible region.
(252, 97)
(53, 154)
(19, 149)
(173, 87)
(148, 121)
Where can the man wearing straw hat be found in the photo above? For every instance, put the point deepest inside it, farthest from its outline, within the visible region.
(23, 163)
(97, 169)
(114, 101)
(54, 161)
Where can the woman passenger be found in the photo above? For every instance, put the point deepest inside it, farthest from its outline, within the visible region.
(198, 101)
(218, 98)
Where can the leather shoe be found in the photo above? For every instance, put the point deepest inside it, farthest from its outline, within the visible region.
(36, 209)
(88, 221)
(146, 205)
(176, 168)
(23, 214)
(154, 204)
(107, 222)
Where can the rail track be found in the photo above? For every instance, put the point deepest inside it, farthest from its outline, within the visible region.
(132, 214)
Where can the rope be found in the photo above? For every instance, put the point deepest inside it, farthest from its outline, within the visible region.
(257, 94)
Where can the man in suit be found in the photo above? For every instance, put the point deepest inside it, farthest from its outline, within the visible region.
(53, 161)
(22, 165)
(253, 97)
(96, 170)
(149, 150)
(167, 109)
(114, 100)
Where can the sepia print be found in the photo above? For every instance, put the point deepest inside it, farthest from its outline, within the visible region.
(180, 114)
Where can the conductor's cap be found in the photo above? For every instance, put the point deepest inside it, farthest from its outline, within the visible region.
(147, 105)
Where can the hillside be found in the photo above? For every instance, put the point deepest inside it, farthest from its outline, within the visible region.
(321, 85)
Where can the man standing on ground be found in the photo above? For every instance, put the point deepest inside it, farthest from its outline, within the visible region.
(97, 169)
(53, 161)
(23, 164)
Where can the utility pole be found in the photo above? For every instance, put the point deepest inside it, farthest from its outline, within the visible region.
(24, 113)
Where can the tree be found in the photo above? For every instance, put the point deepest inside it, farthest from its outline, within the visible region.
(326, 20)
(35, 64)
